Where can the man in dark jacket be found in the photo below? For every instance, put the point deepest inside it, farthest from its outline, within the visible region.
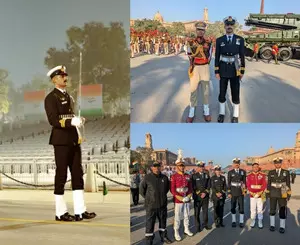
(154, 189)
(201, 189)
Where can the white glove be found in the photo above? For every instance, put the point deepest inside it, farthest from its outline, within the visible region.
(82, 120)
(76, 121)
(186, 199)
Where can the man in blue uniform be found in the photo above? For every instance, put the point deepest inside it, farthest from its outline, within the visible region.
(229, 66)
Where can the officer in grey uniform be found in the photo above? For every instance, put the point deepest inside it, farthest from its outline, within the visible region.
(236, 190)
(279, 192)
(229, 66)
(218, 195)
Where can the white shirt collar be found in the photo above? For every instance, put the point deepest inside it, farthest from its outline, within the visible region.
(61, 90)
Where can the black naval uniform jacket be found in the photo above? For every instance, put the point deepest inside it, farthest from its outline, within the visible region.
(237, 47)
(57, 106)
(218, 184)
(200, 184)
(274, 179)
(154, 189)
(236, 178)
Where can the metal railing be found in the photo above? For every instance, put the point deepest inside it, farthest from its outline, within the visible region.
(33, 173)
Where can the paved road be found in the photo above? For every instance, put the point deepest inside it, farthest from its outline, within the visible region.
(160, 91)
(228, 235)
(26, 217)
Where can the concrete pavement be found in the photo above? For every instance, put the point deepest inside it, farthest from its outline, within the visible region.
(27, 217)
(160, 91)
(229, 235)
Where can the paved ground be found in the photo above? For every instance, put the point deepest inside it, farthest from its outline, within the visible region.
(26, 217)
(228, 235)
(160, 91)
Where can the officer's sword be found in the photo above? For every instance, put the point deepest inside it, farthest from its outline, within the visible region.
(81, 137)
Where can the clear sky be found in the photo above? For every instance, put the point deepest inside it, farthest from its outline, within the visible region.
(175, 10)
(30, 27)
(217, 142)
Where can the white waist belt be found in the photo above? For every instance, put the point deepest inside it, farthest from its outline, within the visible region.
(255, 186)
(227, 59)
(277, 185)
(235, 184)
(182, 190)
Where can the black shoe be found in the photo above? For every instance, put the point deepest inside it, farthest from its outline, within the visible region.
(164, 237)
(221, 118)
(65, 217)
(218, 225)
(235, 120)
(85, 215)
(149, 240)
(222, 225)
(233, 224)
(272, 228)
(207, 227)
(241, 225)
(281, 230)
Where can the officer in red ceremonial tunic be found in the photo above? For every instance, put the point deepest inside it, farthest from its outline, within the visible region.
(256, 185)
(181, 189)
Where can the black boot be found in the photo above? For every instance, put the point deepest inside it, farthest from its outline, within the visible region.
(217, 222)
(164, 237)
(235, 120)
(85, 215)
(221, 223)
(221, 118)
(149, 240)
(272, 228)
(65, 217)
(281, 230)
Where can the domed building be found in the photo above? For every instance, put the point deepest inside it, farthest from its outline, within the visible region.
(189, 25)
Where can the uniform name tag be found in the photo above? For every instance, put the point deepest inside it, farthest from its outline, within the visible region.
(216, 180)
(198, 179)
(64, 102)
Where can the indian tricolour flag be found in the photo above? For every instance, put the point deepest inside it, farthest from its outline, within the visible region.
(91, 100)
(34, 103)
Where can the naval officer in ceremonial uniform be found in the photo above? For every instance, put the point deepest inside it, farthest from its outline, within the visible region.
(237, 190)
(66, 141)
(229, 66)
(279, 191)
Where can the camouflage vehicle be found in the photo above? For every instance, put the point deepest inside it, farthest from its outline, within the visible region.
(280, 29)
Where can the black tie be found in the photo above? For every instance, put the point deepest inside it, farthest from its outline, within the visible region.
(229, 39)
(277, 172)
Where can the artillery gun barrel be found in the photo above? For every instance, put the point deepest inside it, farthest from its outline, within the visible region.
(269, 25)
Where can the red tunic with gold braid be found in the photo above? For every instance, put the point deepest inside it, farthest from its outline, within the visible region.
(256, 183)
(181, 186)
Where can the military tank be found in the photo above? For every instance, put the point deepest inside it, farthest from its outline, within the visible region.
(280, 29)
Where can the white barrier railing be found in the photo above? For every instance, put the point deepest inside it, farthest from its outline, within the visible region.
(112, 165)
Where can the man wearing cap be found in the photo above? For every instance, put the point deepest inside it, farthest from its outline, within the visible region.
(229, 66)
(66, 141)
(154, 189)
(236, 190)
(256, 185)
(201, 189)
(181, 189)
(218, 195)
(199, 51)
(279, 191)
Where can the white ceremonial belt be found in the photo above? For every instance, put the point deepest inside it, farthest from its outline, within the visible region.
(182, 190)
(227, 59)
(277, 185)
(255, 186)
(235, 184)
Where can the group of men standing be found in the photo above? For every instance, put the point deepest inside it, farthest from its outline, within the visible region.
(156, 43)
(201, 187)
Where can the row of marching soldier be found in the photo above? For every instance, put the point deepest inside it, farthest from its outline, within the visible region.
(201, 187)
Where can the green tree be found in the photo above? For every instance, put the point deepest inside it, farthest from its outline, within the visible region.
(105, 59)
(148, 25)
(176, 29)
(217, 29)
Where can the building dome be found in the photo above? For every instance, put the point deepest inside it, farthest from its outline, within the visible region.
(158, 17)
(271, 150)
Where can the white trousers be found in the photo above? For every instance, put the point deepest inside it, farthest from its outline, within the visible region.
(256, 207)
(182, 211)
